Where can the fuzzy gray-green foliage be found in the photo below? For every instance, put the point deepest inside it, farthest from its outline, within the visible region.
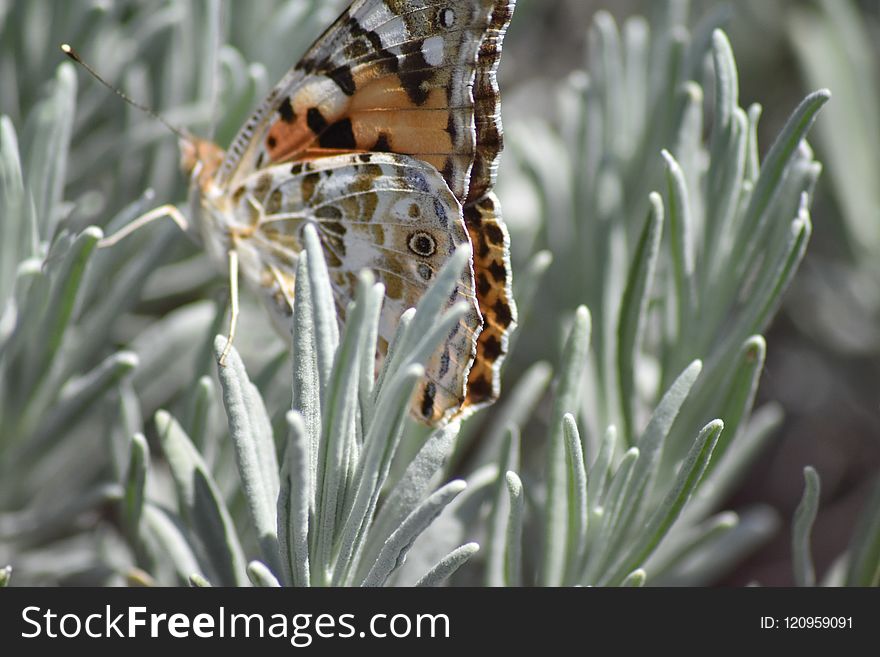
(303, 470)
(838, 300)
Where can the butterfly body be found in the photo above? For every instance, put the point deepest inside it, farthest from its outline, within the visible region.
(384, 137)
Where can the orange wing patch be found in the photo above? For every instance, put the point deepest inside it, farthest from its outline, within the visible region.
(379, 117)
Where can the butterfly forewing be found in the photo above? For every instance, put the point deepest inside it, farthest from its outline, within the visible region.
(388, 76)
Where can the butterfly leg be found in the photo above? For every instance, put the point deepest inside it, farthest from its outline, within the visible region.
(233, 303)
(158, 213)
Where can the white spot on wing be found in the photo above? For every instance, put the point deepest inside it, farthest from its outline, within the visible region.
(447, 17)
(392, 33)
(432, 50)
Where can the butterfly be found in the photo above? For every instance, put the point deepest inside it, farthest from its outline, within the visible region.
(385, 136)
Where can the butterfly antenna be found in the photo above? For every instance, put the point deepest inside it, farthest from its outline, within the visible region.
(70, 52)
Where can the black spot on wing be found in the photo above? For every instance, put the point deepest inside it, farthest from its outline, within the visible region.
(502, 313)
(315, 120)
(451, 128)
(343, 79)
(483, 285)
(414, 72)
(479, 387)
(492, 348)
(440, 211)
(330, 212)
(498, 271)
(285, 110)
(444, 364)
(472, 216)
(494, 234)
(448, 171)
(338, 136)
(382, 145)
(428, 399)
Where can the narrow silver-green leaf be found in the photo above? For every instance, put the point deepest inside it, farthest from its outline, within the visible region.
(635, 579)
(29, 298)
(122, 296)
(306, 377)
(202, 403)
(393, 552)
(199, 582)
(50, 127)
(778, 158)
(169, 545)
(513, 538)
(340, 408)
(577, 495)
(379, 449)
(167, 351)
(681, 241)
(260, 575)
(201, 503)
(726, 81)
(19, 231)
(134, 485)
(601, 468)
(633, 311)
(613, 505)
(78, 396)
(689, 476)
(740, 394)
(371, 325)
(65, 287)
(779, 277)
(721, 480)
(681, 547)
(753, 160)
(724, 553)
(651, 444)
(386, 371)
(251, 432)
(499, 515)
(410, 489)
(324, 318)
(574, 360)
(294, 500)
(804, 516)
(448, 565)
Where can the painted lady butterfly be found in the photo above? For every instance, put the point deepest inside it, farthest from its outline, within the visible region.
(385, 137)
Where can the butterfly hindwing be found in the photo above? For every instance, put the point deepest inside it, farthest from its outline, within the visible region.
(392, 214)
